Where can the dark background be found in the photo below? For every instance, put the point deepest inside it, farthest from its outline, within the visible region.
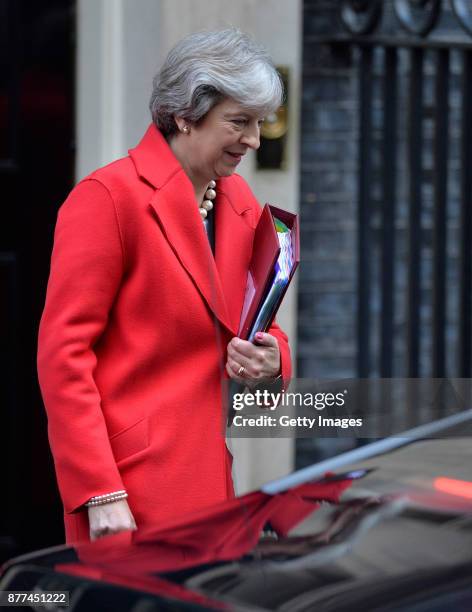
(36, 172)
(385, 280)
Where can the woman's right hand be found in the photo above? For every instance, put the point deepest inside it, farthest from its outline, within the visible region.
(110, 518)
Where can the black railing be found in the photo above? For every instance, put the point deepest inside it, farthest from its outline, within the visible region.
(409, 57)
(465, 319)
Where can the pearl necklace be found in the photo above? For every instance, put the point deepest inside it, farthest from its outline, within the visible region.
(207, 203)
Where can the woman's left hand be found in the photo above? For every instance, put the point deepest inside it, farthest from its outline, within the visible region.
(261, 361)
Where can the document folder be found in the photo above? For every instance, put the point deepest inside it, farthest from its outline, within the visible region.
(275, 257)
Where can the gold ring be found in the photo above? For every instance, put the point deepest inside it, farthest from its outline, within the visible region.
(241, 371)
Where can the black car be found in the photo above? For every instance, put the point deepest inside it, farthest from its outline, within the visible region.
(398, 538)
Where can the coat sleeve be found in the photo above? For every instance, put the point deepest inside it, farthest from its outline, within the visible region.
(86, 271)
(285, 357)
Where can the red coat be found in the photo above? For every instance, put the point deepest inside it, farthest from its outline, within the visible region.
(132, 342)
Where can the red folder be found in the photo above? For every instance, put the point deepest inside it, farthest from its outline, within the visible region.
(261, 272)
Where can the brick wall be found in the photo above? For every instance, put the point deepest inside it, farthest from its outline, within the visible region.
(329, 181)
(329, 166)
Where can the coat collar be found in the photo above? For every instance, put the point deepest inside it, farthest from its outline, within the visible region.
(153, 158)
(221, 280)
(156, 163)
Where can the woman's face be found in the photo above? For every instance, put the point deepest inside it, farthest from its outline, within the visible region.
(215, 146)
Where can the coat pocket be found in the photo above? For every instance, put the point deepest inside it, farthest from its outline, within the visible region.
(131, 440)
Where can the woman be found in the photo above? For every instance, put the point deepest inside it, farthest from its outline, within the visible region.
(140, 322)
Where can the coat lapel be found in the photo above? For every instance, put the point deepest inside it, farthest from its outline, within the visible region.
(177, 212)
(233, 238)
(221, 280)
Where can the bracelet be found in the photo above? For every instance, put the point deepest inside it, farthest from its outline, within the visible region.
(107, 498)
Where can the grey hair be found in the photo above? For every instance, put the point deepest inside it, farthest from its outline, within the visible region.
(204, 68)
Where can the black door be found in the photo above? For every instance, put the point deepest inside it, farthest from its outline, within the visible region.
(36, 172)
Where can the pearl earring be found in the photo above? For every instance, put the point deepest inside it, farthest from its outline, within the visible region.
(185, 129)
